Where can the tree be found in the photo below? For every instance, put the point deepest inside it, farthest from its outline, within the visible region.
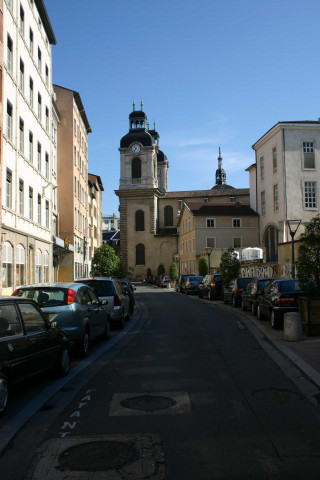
(230, 265)
(105, 263)
(203, 267)
(149, 272)
(308, 263)
(173, 271)
(161, 269)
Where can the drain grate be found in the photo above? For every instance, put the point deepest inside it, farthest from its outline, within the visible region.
(278, 396)
(98, 456)
(148, 403)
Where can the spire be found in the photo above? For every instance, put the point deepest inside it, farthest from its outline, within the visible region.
(134, 105)
(154, 125)
(141, 105)
(221, 176)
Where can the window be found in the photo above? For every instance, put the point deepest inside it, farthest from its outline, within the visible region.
(7, 258)
(210, 222)
(31, 203)
(9, 53)
(8, 188)
(75, 127)
(46, 266)
(39, 59)
(21, 25)
(139, 221)
(275, 198)
(47, 119)
(274, 160)
(261, 168)
(236, 222)
(20, 265)
(39, 157)
(39, 209)
(38, 265)
(310, 194)
(168, 216)
(46, 165)
(31, 92)
(263, 203)
(236, 242)
(75, 154)
(136, 168)
(31, 41)
(9, 120)
(39, 106)
(211, 242)
(30, 147)
(47, 214)
(21, 76)
(140, 254)
(308, 155)
(21, 197)
(47, 75)
(21, 135)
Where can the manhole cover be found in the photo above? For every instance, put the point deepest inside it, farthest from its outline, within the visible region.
(148, 403)
(278, 396)
(98, 456)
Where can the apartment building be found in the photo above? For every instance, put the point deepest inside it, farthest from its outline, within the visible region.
(72, 167)
(286, 180)
(27, 193)
(110, 222)
(95, 213)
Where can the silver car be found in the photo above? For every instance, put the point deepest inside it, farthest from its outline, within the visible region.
(74, 307)
(110, 290)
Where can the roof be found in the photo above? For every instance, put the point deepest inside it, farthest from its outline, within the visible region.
(46, 22)
(138, 114)
(80, 106)
(222, 186)
(140, 136)
(225, 209)
(96, 178)
(208, 193)
(294, 122)
(161, 157)
(111, 235)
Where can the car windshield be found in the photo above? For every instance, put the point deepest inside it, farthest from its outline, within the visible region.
(195, 279)
(102, 288)
(45, 297)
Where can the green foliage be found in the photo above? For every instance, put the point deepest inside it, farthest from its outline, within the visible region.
(230, 265)
(149, 272)
(161, 269)
(173, 271)
(105, 263)
(308, 263)
(203, 267)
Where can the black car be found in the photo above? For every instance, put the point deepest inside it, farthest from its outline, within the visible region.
(191, 284)
(29, 345)
(279, 297)
(211, 286)
(233, 290)
(249, 296)
(182, 278)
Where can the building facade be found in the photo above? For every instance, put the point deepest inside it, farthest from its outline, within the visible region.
(27, 193)
(110, 222)
(95, 188)
(72, 166)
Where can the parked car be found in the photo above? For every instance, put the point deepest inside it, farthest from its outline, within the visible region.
(279, 297)
(191, 284)
(249, 296)
(211, 286)
(128, 289)
(233, 290)
(181, 280)
(156, 280)
(165, 281)
(73, 307)
(29, 345)
(110, 291)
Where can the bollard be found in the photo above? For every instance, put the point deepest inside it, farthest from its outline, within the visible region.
(292, 327)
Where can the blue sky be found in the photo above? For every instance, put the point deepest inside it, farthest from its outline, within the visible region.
(210, 73)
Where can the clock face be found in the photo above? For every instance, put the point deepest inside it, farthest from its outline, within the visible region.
(135, 148)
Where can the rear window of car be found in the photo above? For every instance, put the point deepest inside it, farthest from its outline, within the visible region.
(45, 297)
(195, 279)
(289, 286)
(102, 288)
(242, 282)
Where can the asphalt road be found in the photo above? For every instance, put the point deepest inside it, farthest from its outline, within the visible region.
(187, 393)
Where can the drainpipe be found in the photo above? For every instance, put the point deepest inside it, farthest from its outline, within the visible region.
(284, 186)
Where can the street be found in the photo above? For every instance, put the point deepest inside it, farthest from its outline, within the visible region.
(186, 393)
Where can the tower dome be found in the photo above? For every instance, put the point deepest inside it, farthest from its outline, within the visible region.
(221, 176)
(138, 129)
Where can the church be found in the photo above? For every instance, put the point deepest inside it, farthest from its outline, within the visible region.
(158, 226)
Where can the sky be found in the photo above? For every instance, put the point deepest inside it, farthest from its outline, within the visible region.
(210, 73)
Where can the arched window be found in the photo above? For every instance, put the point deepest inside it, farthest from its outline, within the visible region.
(20, 265)
(7, 257)
(38, 266)
(139, 221)
(168, 216)
(46, 266)
(140, 254)
(136, 168)
(271, 244)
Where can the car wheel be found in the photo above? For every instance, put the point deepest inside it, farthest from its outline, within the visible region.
(63, 367)
(274, 319)
(224, 300)
(234, 301)
(107, 331)
(84, 344)
(200, 295)
(210, 295)
(253, 309)
(4, 392)
(259, 313)
(244, 308)
(121, 321)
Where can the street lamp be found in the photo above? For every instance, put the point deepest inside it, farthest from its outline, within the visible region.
(208, 251)
(293, 227)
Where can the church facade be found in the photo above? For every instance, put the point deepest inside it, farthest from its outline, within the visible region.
(150, 215)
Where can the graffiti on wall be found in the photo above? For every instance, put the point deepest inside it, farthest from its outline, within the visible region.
(267, 271)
